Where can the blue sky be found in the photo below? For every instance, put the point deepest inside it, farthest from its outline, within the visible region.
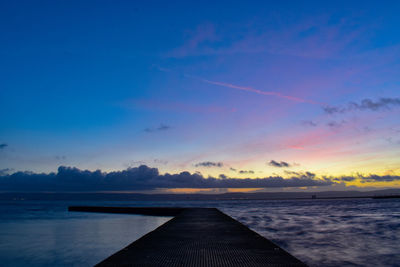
(115, 84)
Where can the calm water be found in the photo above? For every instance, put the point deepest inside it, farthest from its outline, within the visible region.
(360, 232)
(45, 234)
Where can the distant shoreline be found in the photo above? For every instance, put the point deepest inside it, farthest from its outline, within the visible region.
(93, 196)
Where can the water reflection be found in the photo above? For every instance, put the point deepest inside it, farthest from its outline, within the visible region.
(81, 241)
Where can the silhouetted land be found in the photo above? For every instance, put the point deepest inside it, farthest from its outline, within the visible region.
(386, 196)
(186, 197)
(197, 237)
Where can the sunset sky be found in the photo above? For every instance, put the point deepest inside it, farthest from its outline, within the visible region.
(243, 90)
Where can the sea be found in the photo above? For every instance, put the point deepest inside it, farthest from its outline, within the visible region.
(320, 232)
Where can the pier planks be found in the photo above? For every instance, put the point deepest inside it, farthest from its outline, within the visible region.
(199, 237)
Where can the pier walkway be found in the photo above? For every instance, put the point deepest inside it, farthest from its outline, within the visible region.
(196, 237)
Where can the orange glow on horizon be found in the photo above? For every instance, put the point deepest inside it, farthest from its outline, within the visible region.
(209, 190)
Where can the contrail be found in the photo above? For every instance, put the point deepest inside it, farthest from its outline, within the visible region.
(249, 89)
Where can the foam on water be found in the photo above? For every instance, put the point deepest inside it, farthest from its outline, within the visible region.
(329, 232)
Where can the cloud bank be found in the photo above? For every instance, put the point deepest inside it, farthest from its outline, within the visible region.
(69, 179)
(4, 145)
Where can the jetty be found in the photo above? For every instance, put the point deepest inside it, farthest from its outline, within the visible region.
(195, 237)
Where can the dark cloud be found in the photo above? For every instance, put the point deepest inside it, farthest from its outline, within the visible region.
(242, 171)
(345, 179)
(60, 157)
(365, 104)
(378, 178)
(336, 124)
(246, 172)
(162, 127)
(332, 110)
(309, 123)
(281, 164)
(4, 145)
(141, 178)
(293, 173)
(309, 174)
(209, 164)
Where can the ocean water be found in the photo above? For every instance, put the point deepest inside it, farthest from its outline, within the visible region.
(46, 234)
(347, 232)
(340, 232)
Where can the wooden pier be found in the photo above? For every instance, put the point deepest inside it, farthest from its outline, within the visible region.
(196, 237)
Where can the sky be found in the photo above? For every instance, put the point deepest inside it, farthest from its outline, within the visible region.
(303, 90)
